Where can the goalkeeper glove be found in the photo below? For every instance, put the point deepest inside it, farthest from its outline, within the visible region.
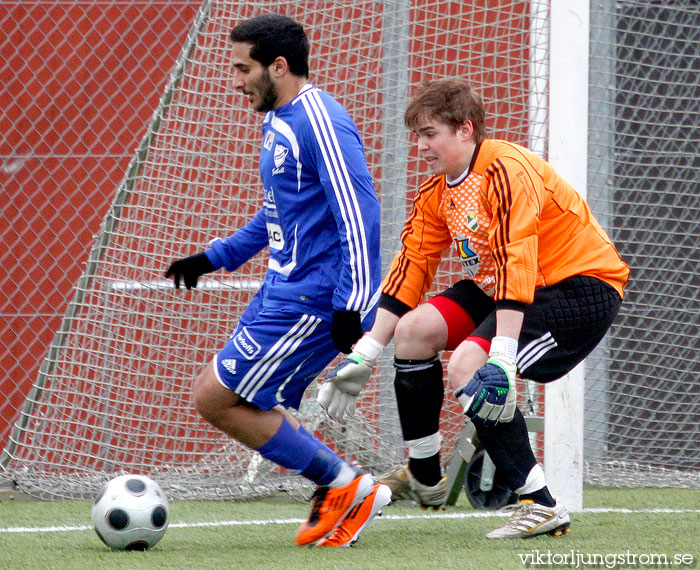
(489, 397)
(339, 391)
(346, 328)
(189, 269)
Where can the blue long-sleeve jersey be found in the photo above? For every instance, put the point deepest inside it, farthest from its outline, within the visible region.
(320, 214)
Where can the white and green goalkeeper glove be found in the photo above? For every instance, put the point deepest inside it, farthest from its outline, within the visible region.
(339, 391)
(490, 396)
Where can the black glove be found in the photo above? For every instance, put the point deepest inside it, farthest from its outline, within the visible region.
(346, 330)
(190, 269)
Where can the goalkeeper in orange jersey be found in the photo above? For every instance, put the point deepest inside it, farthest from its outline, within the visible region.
(542, 284)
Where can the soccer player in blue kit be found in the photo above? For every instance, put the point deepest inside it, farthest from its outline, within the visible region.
(320, 220)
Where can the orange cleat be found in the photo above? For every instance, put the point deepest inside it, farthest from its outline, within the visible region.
(347, 533)
(330, 507)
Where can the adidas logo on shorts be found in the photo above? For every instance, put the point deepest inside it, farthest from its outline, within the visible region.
(229, 364)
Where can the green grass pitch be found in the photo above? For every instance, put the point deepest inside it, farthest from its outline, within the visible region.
(623, 528)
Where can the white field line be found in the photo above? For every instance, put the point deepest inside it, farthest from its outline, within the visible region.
(27, 529)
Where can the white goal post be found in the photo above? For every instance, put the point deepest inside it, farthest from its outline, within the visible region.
(570, 80)
(568, 152)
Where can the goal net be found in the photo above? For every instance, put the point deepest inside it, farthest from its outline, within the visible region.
(113, 393)
(642, 411)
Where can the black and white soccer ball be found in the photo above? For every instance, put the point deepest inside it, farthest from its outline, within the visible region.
(131, 512)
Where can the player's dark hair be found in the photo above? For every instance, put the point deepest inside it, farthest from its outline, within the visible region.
(273, 36)
(448, 101)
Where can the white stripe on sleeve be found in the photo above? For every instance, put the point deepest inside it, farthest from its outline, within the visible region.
(345, 196)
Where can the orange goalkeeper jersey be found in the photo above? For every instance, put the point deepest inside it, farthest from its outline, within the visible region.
(515, 223)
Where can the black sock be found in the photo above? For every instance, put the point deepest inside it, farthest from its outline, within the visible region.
(426, 471)
(541, 497)
(420, 392)
(508, 445)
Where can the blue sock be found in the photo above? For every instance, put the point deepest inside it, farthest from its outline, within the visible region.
(335, 477)
(302, 452)
(309, 435)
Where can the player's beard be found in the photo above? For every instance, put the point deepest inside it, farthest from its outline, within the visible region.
(268, 93)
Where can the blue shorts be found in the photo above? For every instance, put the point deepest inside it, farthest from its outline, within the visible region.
(274, 354)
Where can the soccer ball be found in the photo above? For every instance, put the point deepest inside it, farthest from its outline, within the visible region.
(131, 512)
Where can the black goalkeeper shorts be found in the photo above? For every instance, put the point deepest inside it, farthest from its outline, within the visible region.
(561, 327)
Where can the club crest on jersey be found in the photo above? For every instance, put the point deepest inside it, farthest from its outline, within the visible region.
(472, 221)
(470, 258)
(246, 345)
(269, 138)
(279, 155)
